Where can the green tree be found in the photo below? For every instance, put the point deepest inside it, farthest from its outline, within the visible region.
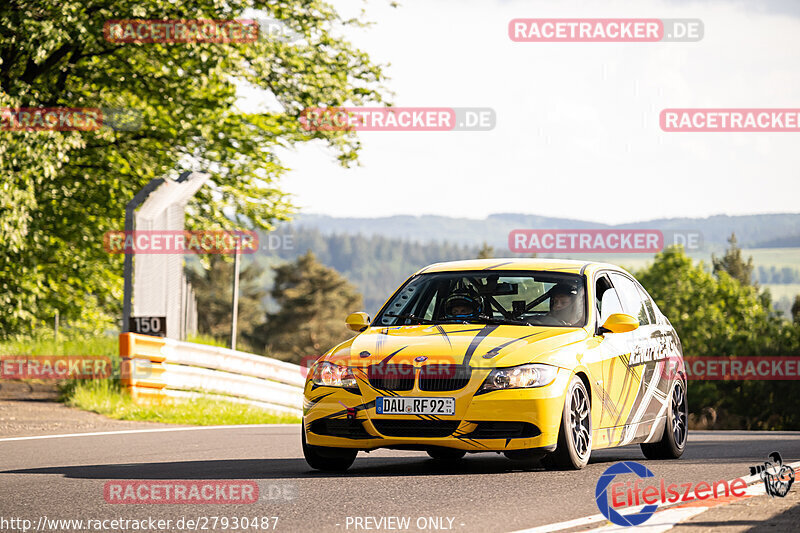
(213, 288)
(796, 309)
(486, 251)
(61, 191)
(720, 316)
(733, 263)
(313, 303)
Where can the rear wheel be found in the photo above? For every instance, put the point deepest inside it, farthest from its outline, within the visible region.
(575, 436)
(328, 459)
(446, 454)
(676, 428)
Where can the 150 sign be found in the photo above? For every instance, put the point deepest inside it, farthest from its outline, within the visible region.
(148, 325)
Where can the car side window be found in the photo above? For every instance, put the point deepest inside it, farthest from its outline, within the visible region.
(648, 304)
(606, 299)
(631, 298)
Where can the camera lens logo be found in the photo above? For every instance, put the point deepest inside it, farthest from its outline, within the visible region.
(601, 494)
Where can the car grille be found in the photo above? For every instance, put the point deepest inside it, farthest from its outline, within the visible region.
(416, 428)
(503, 430)
(444, 377)
(336, 427)
(398, 377)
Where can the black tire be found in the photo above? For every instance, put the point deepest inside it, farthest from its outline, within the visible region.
(448, 455)
(575, 435)
(676, 430)
(328, 459)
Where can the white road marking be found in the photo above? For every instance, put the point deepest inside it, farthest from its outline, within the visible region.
(663, 521)
(159, 430)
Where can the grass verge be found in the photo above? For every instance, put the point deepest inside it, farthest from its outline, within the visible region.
(105, 398)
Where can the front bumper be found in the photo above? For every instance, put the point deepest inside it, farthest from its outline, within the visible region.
(513, 419)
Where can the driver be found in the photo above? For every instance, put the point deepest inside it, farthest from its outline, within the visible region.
(565, 304)
(462, 304)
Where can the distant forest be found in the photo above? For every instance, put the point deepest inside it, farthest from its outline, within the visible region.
(377, 265)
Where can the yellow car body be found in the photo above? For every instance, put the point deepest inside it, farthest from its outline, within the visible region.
(629, 377)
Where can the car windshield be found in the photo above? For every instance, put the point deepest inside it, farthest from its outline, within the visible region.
(522, 298)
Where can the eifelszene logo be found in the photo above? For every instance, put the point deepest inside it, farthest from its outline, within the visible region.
(601, 494)
(777, 477)
(626, 495)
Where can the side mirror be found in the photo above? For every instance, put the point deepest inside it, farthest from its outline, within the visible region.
(619, 323)
(357, 321)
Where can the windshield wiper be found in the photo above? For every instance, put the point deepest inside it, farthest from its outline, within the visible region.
(502, 320)
(411, 317)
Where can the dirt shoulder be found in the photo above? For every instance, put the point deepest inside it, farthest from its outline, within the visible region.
(23, 418)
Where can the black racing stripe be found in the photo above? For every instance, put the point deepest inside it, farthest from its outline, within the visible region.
(444, 334)
(386, 359)
(313, 401)
(499, 265)
(641, 392)
(496, 350)
(626, 386)
(482, 334)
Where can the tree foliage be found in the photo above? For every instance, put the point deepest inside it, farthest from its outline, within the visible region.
(733, 263)
(313, 302)
(61, 191)
(721, 316)
(213, 289)
(486, 251)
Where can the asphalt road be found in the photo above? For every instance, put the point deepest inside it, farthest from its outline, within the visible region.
(64, 478)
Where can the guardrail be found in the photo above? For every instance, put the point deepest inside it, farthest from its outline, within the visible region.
(155, 369)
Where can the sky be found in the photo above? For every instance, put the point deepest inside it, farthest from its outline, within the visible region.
(577, 131)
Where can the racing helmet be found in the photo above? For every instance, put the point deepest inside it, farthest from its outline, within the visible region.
(463, 303)
(563, 288)
(572, 313)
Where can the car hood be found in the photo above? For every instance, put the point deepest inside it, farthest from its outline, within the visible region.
(479, 345)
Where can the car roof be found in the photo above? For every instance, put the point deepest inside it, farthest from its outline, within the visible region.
(518, 263)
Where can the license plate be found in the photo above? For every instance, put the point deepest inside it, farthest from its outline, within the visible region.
(387, 405)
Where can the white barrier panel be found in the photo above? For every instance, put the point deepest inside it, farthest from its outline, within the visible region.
(179, 377)
(188, 370)
(216, 358)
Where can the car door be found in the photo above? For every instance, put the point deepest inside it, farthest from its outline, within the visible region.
(619, 384)
(640, 388)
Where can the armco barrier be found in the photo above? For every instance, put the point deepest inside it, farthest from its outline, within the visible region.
(155, 369)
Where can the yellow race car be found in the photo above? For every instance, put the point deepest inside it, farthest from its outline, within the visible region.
(538, 359)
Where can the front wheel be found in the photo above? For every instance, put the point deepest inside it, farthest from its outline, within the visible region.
(676, 429)
(575, 436)
(328, 459)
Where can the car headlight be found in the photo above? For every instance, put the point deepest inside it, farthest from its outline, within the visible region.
(331, 375)
(519, 377)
